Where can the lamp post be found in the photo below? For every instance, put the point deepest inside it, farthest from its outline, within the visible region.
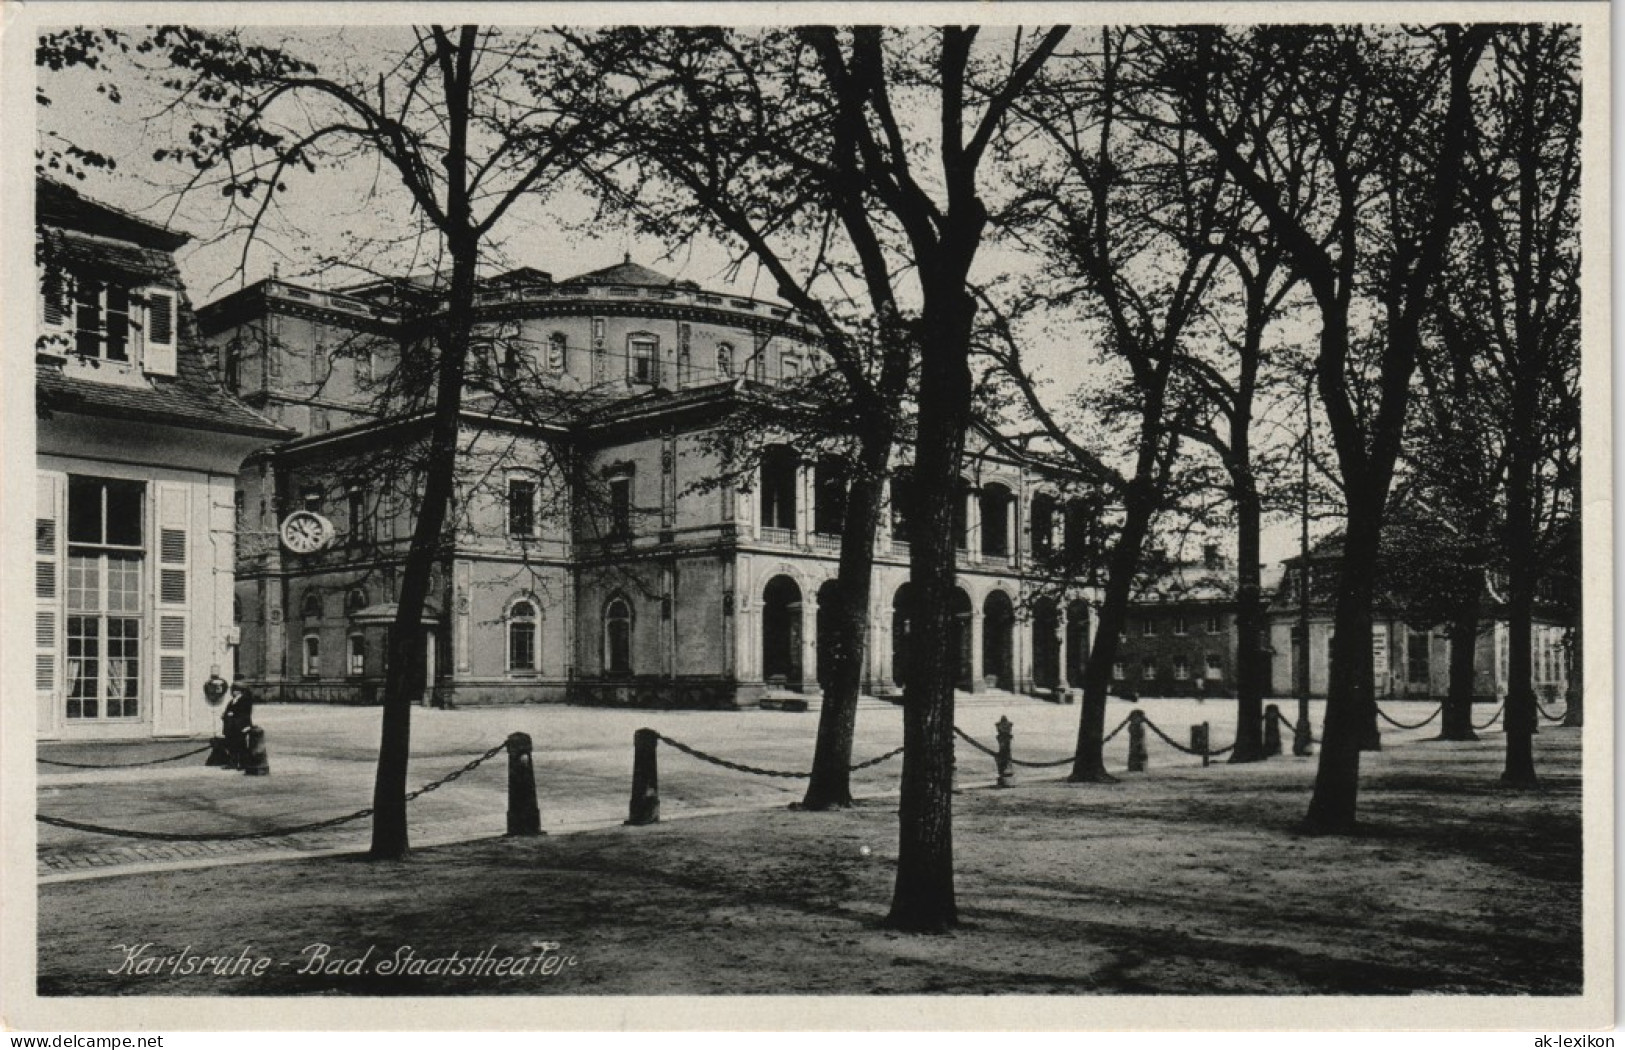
(1300, 734)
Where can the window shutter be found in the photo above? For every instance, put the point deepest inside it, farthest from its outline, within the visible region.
(55, 313)
(48, 591)
(173, 607)
(159, 343)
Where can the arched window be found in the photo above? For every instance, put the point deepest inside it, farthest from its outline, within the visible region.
(313, 656)
(358, 655)
(618, 637)
(311, 609)
(523, 630)
(555, 352)
(725, 360)
(355, 601)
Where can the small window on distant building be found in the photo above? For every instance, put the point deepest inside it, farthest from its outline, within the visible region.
(1148, 668)
(313, 656)
(1148, 627)
(555, 352)
(620, 506)
(311, 497)
(790, 368)
(311, 609)
(618, 638)
(355, 601)
(1215, 667)
(1182, 669)
(1215, 624)
(358, 655)
(643, 364)
(725, 361)
(1181, 625)
(521, 507)
(101, 320)
(522, 631)
(357, 506)
(1119, 671)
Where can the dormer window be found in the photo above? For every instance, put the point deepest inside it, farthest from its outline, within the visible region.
(101, 319)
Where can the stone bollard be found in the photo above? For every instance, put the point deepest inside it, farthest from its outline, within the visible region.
(1199, 742)
(524, 818)
(645, 807)
(256, 761)
(1272, 731)
(1136, 741)
(1301, 737)
(1003, 727)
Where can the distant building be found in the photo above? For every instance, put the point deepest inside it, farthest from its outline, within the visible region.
(599, 552)
(139, 448)
(1409, 661)
(1180, 635)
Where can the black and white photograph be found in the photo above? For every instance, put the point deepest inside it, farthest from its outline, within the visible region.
(1057, 516)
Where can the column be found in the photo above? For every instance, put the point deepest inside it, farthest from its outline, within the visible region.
(809, 644)
(803, 505)
(1062, 630)
(1012, 529)
(877, 663)
(976, 650)
(1023, 656)
(973, 528)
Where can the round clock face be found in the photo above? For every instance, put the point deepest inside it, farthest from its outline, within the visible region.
(304, 532)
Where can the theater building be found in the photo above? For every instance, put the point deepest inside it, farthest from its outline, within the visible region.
(139, 447)
(599, 552)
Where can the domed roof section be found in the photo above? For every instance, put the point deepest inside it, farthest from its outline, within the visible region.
(626, 272)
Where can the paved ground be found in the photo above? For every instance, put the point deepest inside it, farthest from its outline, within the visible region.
(322, 762)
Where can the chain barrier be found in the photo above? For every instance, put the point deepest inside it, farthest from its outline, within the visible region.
(1549, 716)
(1401, 725)
(1108, 737)
(1292, 727)
(739, 767)
(1493, 718)
(973, 742)
(239, 836)
(124, 765)
(1176, 745)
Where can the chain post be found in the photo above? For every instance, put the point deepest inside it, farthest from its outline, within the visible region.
(1002, 728)
(1199, 743)
(645, 806)
(524, 816)
(1136, 741)
(1272, 731)
(1301, 737)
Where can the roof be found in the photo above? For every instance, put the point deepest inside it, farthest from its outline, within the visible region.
(625, 272)
(60, 205)
(193, 397)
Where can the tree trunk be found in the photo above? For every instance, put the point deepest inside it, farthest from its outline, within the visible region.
(1249, 630)
(830, 785)
(923, 897)
(1456, 718)
(405, 677)
(1089, 763)
(1522, 570)
(1350, 703)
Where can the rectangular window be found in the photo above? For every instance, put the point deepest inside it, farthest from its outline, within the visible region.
(102, 320)
(1214, 624)
(644, 360)
(620, 507)
(357, 523)
(1119, 671)
(522, 645)
(1148, 627)
(1182, 669)
(1148, 668)
(358, 655)
(521, 507)
(1181, 625)
(1215, 667)
(104, 598)
(313, 656)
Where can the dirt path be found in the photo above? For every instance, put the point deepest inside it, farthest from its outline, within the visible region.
(1182, 881)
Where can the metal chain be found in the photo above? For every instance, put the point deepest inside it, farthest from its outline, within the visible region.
(1493, 718)
(235, 836)
(124, 765)
(973, 742)
(1292, 726)
(1108, 737)
(1401, 725)
(1549, 716)
(1176, 745)
(739, 767)
(887, 757)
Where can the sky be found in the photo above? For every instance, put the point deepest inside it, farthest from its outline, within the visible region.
(350, 211)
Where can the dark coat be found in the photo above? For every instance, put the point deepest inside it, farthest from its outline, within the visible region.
(239, 713)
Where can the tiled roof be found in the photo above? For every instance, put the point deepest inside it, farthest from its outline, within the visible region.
(193, 397)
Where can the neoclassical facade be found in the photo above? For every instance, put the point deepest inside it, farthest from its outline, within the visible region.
(599, 551)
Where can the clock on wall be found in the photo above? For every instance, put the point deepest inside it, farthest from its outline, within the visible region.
(305, 531)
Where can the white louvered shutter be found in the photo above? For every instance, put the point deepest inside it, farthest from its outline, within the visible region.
(174, 587)
(55, 318)
(159, 336)
(49, 598)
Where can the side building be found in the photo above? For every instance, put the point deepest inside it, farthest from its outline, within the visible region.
(139, 448)
(1180, 635)
(599, 552)
(1410, 660)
